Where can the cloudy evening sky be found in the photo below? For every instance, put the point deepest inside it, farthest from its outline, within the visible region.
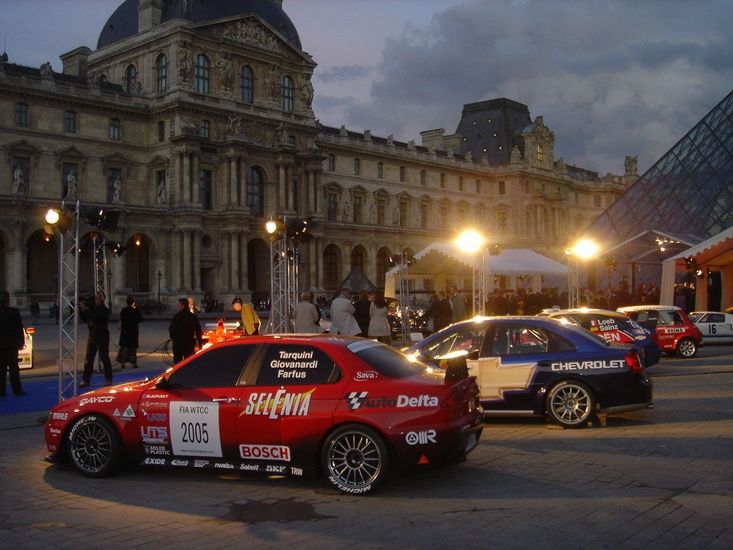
(611, 78)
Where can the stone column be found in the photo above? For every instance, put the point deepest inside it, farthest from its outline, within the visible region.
(186, 195)
(186, 256)
(235, 259)
(307, 196)
(281, 188)
(243, 270)
(195, 196)
(233, 181)
(196, 259)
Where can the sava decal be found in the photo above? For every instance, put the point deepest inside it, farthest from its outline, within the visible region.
(195, 428)
(265, 452)
(587, 365)
(366, 375)
(420, 438)
(281, 403)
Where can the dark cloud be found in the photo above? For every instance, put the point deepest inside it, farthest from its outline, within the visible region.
(342, 73)
(610, 78)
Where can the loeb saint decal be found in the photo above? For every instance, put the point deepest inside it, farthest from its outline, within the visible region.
(265, 452)
(281, 403)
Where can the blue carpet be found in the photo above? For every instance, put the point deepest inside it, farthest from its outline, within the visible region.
(43, 393)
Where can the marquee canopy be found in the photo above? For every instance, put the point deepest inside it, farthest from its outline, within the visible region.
(439, 260)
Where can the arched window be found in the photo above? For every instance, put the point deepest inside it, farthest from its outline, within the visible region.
(287, 94)
(137, 264)
(130, 78)
(358, 257)
(246, 83)
(202, 74)
(331, 274)
(540, 153)
(254, 191)
(161, 74)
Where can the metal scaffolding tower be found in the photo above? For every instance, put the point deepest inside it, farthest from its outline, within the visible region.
(101, 281)
(68, 302)
(479, 282)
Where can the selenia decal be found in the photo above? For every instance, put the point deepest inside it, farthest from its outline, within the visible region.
(195, 428)
(280, 403)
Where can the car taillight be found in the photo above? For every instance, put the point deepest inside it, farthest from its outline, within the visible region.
(633, 362)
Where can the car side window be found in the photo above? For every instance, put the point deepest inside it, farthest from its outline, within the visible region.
(214, 368)
(667, 318)
(715, 318)
(467, 338)
(519, 340)
(285, 364)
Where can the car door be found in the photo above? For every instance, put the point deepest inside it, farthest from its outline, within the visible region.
(287, 405)
(514, 363)
(466, 338)
(193, 413)
(715, 329)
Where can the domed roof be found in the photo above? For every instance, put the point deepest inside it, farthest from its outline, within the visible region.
(123, 22)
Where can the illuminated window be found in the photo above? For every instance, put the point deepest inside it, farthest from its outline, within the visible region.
(540, 153)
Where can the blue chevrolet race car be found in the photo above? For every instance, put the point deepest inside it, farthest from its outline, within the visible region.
(538, 366)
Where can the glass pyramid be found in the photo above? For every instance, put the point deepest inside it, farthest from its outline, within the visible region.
(688, 193)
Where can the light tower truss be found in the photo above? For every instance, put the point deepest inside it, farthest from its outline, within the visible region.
(68, 302)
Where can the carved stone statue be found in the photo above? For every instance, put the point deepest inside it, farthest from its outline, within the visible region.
(117, 190)
(396, 216)
(160, 193)
(631, 166)
(306, 92)
(18, 181)
(46, 69)
(346, 211)
(70, 185)
(281, 136)
(225, 72)
(515, 156)
(182, 61)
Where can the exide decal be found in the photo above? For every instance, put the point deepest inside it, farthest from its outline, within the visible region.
(265, 452)
(281, 403)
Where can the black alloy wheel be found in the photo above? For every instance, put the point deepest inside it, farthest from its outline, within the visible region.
(94, 446)
(355, 459)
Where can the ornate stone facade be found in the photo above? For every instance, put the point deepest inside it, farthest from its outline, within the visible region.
(214, 135)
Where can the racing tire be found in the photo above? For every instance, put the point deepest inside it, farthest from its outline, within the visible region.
(570, 404)
(686, 348)
(94, 446)
(355, 459)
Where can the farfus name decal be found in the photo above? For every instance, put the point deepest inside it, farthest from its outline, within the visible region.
(280, 403)
(587, 365)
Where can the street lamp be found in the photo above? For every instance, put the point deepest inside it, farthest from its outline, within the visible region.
(472, 242)
(583, 250)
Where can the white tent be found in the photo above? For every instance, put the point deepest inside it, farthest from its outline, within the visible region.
(439, 261)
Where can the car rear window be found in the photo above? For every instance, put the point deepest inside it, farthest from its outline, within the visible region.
(386, 360)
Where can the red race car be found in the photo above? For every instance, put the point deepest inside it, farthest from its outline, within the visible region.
(346, 407)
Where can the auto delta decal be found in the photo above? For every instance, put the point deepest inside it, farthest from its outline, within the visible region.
(356, 400)
(280, 403)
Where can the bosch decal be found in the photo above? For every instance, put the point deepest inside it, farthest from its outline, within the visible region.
(265, 452)
(420, 438)
(281, 403)
(587, 365)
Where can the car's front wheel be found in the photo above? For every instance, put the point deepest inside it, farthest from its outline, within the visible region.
(570, 404)
(355, 459)
(94, 446)
(686, 348)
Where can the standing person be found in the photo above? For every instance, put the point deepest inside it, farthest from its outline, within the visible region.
(12, 339)
(439, 311)
(458, 305)
(362, 306)
(185, 331)
(97, 319)
(306, 315)
(250, 319)
(378, 321)
(192, 307)
(342, 315)
(130, 318)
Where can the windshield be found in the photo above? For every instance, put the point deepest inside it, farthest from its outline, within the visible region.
(386, 360)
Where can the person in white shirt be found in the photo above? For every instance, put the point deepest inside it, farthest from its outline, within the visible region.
(342, 315)
(306, 315)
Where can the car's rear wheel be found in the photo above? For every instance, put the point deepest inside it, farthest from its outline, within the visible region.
(355, 459)
(570, 404)
(94, 446)
(686, 348)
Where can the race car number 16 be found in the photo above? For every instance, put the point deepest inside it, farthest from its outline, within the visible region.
(195, 428)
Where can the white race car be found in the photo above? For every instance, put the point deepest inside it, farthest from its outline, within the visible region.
(716, 327)
(25, 356)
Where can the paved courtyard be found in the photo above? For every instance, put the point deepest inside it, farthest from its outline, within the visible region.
(658, 478)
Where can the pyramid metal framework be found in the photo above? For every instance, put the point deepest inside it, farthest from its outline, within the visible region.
(688, 193)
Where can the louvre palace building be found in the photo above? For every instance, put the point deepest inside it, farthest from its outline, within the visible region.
(192, 121)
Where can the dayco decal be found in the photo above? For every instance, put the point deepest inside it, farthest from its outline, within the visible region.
(281, 403)
(97, 399)
(420, 438)
(357, 399)
(366, 375)
(265, 452)
(587, 365)
(154, 434)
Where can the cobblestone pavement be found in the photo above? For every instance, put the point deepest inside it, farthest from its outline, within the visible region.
(657, 478)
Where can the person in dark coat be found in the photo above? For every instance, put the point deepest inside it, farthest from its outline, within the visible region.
(97, 319)
(361, 312)
(130, 318)
(185, 331)
(439, 311)
(12, 339)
